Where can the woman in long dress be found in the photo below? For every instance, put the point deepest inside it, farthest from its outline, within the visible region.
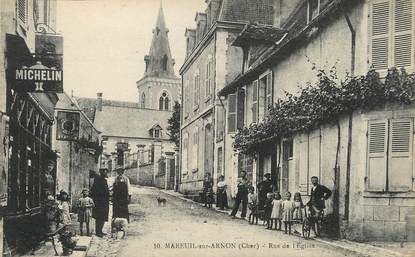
(121, 196)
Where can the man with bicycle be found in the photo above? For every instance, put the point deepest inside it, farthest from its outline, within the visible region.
(319, 194)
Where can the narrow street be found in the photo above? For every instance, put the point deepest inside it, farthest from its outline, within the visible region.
(185, 229)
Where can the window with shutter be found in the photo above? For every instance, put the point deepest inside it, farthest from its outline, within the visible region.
(185, 165)
(392, 34)
(403, 28)
(303, 164)
(232, 109)
(220, 121)
(377, 155)
(380, 34)
(400, 155)
(254, 107)
(262, 97)
(269, 91)
(195, 151)
(241, 109)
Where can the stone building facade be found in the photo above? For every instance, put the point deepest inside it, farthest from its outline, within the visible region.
(373, 201)
(211, 62)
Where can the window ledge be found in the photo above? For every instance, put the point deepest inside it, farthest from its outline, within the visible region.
(372, 194)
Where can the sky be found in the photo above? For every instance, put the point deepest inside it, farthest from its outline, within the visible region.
(105, 42)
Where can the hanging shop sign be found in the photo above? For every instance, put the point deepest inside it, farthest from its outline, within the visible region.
(38, 72)
(68, 126)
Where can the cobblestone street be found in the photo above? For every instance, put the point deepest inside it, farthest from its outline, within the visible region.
(185, 229)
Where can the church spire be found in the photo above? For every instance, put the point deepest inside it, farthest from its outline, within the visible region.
(159, 62)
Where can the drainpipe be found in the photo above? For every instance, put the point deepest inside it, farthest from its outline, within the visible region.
(350, 128)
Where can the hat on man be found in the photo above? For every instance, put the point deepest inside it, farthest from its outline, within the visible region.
(267, 175)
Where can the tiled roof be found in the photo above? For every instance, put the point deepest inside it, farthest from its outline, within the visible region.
(259, 11)
(130, 122)
(125, 119)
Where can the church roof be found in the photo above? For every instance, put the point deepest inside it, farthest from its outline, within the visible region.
(124, 119)
(159, 62)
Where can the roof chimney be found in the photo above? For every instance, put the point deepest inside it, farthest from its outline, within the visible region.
(99, 101)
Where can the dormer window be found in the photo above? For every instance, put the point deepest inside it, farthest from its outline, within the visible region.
(313, 10)
(155, 131)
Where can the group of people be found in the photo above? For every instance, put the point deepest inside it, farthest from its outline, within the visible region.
(95, 203)
(274, 208)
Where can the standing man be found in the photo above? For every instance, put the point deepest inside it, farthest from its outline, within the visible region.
(264, 187)
(100, 195)
(121, 196)
(319, 194)
(241, 196)
(48, 182)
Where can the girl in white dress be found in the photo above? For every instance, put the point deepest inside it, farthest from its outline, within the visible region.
(276, 213)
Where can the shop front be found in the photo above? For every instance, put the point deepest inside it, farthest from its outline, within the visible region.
(29, 151)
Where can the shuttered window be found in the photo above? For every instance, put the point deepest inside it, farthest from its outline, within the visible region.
(254, 106)
(262, 91)
(400, 155)
(403, 26)
(377, 155)
(208, 79)
(241, 109)
(269, 90)
(392, 34)
(390, 160)
(232, 110)
(195, 151)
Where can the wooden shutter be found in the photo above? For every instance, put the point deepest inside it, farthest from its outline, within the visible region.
(269, 92)
(400, 155)
(403, 36)
(241, 109)
(232, 113)
(314, 151)
(377, 155)
(303, 165)
(254, 107)
(262, 98)
(380, 30)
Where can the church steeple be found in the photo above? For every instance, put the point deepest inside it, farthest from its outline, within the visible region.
(159, 62)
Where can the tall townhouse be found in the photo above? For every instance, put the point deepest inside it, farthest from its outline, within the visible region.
(28, 41)
(212, 62)
(367, 157)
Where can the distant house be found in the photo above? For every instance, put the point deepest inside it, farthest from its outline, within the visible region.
(372, 179)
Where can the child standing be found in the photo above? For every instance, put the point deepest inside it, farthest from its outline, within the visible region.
(64, 207)
(268, 209)
(298, 209)
(85, 205)
(277, 210)
(287, 212)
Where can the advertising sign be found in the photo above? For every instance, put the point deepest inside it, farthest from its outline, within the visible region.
(68, 126)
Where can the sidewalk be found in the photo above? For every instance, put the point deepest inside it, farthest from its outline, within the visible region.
(375, 249)
(46, 250)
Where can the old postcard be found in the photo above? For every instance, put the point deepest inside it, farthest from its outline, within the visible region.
(207, 128)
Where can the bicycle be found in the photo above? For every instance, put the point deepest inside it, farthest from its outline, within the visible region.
(312, 221)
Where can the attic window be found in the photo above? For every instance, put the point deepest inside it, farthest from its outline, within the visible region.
(313, 10)
(157, 133)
